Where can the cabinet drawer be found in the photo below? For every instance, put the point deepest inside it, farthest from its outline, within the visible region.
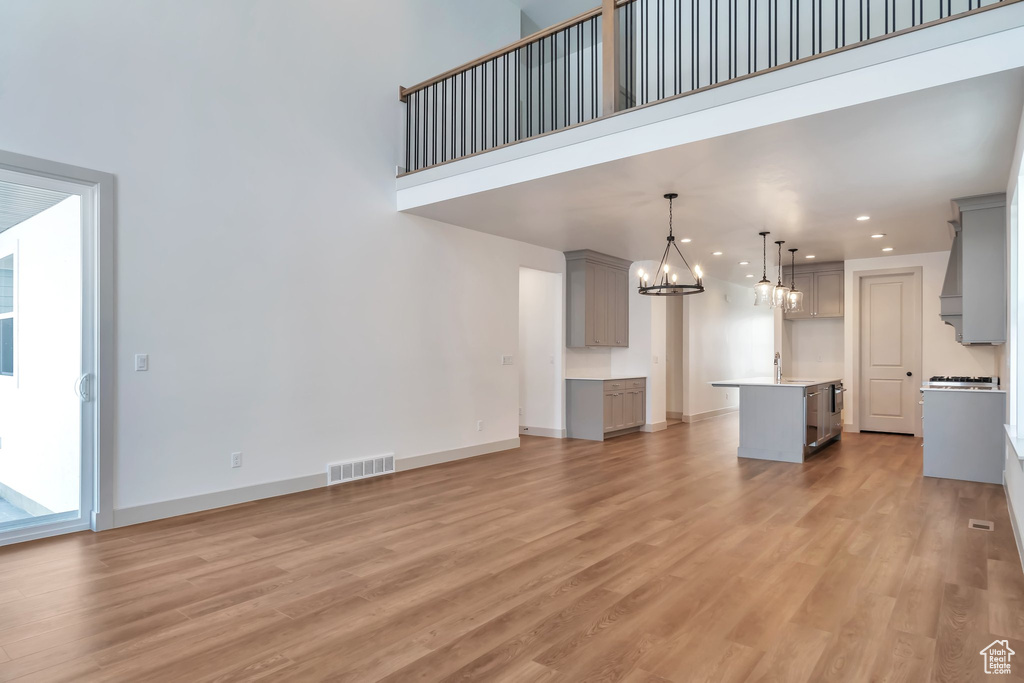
(614, 384)
(636, 383)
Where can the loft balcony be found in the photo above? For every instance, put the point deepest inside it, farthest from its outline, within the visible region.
(638, 76)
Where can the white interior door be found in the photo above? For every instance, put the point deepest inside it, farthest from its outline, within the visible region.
(890, 352)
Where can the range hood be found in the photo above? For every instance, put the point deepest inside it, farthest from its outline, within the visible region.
(973, 297)
(951, 300)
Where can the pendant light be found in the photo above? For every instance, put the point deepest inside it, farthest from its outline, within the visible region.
(795, 298)
(781, 291)
(763, 289)
(666, 278)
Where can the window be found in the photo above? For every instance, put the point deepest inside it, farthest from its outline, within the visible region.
(7, 315)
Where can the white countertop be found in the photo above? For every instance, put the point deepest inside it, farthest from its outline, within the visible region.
(801, 383)
(608, 378)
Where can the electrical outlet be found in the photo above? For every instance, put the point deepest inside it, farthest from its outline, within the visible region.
(479, 425)
(520, 410)
(236, 459)
(655, 359)
(141, 362)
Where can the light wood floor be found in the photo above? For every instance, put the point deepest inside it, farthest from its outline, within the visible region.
(653, 557)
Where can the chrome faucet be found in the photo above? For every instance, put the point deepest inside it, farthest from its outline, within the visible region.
(778, 368)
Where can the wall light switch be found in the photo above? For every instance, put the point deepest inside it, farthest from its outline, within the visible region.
(141, 362)
(507, 360)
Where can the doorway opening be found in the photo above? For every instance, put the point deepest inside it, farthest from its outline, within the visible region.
(541, 325)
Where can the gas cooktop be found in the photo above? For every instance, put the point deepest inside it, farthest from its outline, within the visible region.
(961, 382)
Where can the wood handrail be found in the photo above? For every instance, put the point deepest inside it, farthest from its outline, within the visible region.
(403, 93)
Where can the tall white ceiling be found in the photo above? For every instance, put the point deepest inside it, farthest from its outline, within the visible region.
(899, 160)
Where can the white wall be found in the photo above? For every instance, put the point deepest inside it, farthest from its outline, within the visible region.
(726, 337)
(941, 354)
(1012, 368)
(814, 348)
(289, 311)
(589, 362)
(675, 359)
(541, 341)
(40, 414)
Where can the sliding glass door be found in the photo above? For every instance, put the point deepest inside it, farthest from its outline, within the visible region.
(45, 458)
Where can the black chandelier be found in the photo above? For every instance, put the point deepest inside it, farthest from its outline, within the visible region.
(666, 280)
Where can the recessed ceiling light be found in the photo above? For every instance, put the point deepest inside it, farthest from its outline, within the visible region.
(685, 240)
(809, 256)
(716, 253)
(887, 249)
(878, 236)
(749, 275)
(863, 218)
(745, 263)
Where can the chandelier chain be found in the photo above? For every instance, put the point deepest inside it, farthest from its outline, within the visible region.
(670, 217)
(764, 256)
(780, 262)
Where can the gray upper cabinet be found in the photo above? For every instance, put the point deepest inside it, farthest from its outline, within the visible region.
(828, 294)
(597, 299)
(973, 298)
(823, 285)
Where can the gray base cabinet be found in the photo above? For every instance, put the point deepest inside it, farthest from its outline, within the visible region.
(596, 409)
(963, 434)
(597, 300)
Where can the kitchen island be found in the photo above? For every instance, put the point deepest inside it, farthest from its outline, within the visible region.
(787, 421)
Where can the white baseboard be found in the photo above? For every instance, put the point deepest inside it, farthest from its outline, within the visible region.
(403, 464)
(707, 415)
(543, 431)
(208, 501)
(654, 427)
(218, 499)
(673, 416)
(849, 427)
(1013, 523)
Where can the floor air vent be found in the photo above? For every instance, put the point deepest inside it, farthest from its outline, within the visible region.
(339, 472)
(982, 524)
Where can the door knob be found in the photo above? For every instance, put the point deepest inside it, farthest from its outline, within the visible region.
(910, 374)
